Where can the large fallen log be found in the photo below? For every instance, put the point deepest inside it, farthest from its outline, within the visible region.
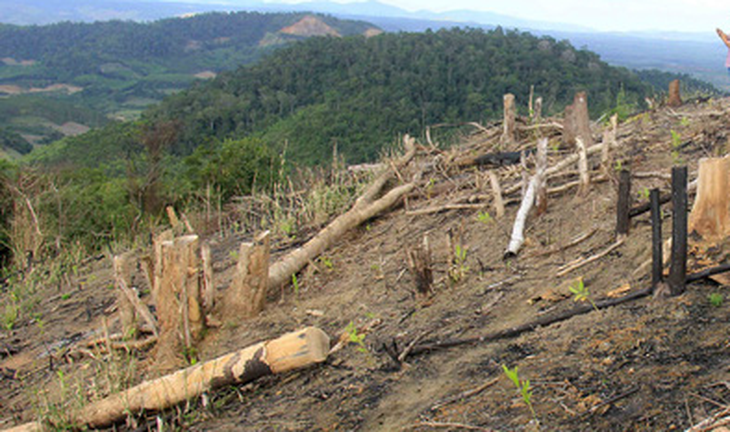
(290, 351)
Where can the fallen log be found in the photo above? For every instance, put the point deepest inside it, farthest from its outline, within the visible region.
(366, 207)
(290, 351)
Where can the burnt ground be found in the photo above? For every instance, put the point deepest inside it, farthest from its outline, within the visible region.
(647, 365)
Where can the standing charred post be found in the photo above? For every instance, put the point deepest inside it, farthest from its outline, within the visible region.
(657, 257)
(678, 272)
(623, 204)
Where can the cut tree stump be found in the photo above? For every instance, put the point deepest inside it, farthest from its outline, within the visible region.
(178, 304)
(291, 351)
(419, 261)
(577, 122)
(675, 99)
(247, 294)
(123, 266)
(710, 217)
(508, 134)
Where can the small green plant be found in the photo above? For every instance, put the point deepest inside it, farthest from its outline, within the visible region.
(484, 217)
(355, 337)
(458, 269)
(618, 166)
(327, 262)
(716, 299)
(295, 284)
(676, 144)
(65, 296)
(10, 316)
(684, 122)
(581, 293)
(523, 386)
(644, 193)
(233, 255)
(429, 187)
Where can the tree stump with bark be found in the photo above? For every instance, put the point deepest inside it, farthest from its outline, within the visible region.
(247, 294)
(508, 135)
(675, 99)
(577, 122)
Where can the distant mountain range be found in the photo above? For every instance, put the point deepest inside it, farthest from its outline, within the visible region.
(700, 55)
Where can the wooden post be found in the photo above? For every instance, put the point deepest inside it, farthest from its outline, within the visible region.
(623, 204)
(538, 109)
(675, 99)
(127, 312)
(678, 270)
(529, 102)
(178, 301)
(419, 260)
(508, 135)
(247, 294)
(710, 217)
(156, 263)
(657, 258)
(609, 142)
(577, 121)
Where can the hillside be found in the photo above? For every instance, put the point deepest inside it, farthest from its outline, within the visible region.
(647, 364)
(117, 68)
(361, 93)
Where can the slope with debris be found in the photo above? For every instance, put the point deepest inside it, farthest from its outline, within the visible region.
(649, 364)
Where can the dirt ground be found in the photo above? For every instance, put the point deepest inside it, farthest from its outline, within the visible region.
(653, 364)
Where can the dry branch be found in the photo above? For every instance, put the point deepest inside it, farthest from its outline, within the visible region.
(580, 262)
(518, 236)
(497, 191)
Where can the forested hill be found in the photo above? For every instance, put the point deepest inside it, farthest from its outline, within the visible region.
(361, 93)
(215, 41)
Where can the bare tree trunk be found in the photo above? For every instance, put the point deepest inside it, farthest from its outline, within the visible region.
(419, 261)
(537, 116)
(675, 99)
(508, 135)
(518, 231)
(247, 294)
(207, 287)
(678, 272)
(290, 351)
(609, 142)
(623, 205)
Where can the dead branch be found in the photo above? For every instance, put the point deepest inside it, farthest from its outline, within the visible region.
(560, 248)
(465, 394)
(440, 425)
(580, 262)
(497, 191)
(518, 237)
(530, 326)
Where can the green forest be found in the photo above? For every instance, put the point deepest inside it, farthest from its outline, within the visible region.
(117, 68)
(246, 129)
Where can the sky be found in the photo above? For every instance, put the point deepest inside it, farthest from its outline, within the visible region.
(604, 15)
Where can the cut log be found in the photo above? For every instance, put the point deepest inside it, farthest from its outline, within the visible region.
(366, 207)
(675, 99)
(518, 231)
(123, 265)
(508, 134)
(291, 351)
(496, 159)
(247, 294)
(710, 217)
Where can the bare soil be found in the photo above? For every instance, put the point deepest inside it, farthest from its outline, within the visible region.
(653, 364)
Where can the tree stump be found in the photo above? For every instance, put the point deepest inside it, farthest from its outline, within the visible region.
(123, 266)
(537, 114)
(247, 294)
(675, 99)
(419, 260)
(508, 135)
(710, 217)
(678, 272)
(577, 122)
(179, 308)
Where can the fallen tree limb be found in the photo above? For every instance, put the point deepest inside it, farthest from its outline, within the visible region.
(560, 248)
(580, 262)
(694, 277)
(290, 351)
(365, 207)
(530, 326)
